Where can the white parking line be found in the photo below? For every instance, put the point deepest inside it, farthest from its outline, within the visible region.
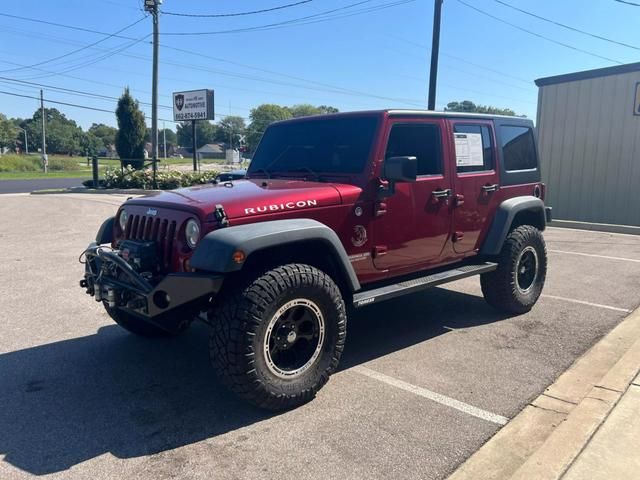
(433, 396)
(590, 304)
(606, 257)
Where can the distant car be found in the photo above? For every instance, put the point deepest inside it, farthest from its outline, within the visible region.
(176, 155)
(232, 175)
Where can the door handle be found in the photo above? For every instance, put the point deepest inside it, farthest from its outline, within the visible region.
(441, 193)
(490, 188)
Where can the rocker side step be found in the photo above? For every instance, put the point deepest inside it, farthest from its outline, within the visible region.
(410, 286)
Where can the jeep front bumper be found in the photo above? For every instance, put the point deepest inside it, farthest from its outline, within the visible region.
(164, 303)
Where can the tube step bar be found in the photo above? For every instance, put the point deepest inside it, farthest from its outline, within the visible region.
(388, 292)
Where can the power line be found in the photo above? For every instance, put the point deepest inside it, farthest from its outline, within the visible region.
(566, 45)
(70, 90)
(238, 14)
(76, 50)
(332, 88)
(628, 3)
(108, 54)
(325, 16)
(573, 29)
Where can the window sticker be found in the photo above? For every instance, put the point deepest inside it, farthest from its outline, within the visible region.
(469, 149)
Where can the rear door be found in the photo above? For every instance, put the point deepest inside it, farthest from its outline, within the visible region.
(415, 228)
(475, 179)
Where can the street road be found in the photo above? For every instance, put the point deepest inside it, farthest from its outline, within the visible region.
(425, 380)
(22, 186)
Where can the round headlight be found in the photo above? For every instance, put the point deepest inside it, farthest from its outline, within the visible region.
(124, 216)
(192, 232)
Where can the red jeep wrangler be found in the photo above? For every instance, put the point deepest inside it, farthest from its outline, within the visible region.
(337, 211)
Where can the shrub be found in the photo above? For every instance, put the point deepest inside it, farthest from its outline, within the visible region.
(143, 179)
(15, 163)
(57, 164)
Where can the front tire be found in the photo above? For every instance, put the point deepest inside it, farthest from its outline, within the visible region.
(276, 341)
(515, 286)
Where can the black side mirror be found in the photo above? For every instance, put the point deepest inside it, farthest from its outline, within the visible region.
(401, 169)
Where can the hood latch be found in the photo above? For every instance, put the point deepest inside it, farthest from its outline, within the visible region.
(221, 216)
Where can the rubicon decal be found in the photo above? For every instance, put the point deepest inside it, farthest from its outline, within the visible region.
(281, 206)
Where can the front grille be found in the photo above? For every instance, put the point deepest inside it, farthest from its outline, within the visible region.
(161, 231)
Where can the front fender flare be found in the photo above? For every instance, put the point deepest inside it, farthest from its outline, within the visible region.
(503, 219)
(105, 232)
(214, 252)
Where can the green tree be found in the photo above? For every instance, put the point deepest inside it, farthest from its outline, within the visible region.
(170, 135)
(8, 133)
(63, 135)
(230, 129)
(91, 144)
(205, 133)
(469, 107)
(261, 117)
(105, 133)
(306, 110)
(131, 127)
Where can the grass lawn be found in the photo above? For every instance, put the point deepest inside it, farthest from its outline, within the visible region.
(35, 175)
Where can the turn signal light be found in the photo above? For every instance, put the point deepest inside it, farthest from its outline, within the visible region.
(239, 256)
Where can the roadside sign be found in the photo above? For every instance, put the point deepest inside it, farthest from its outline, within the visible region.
(193, 105)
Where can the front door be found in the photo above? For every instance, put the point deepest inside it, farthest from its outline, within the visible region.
(475, 180)
(416, 226)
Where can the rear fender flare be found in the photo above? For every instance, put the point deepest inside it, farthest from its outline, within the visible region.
(504, 217)
(214, 252)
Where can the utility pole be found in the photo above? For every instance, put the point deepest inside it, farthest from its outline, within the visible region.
(45, 159)
(193, 145)
(164, 138)
(152, 6)
(435, 48)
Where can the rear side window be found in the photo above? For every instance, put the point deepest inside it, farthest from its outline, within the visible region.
(518, 148)
(469, 138)
(417, 140)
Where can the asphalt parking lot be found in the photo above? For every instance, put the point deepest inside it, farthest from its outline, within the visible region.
(424, 382)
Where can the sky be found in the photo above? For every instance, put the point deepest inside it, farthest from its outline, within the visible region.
(362, 55)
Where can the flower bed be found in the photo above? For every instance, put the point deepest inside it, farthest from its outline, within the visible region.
(143, 179)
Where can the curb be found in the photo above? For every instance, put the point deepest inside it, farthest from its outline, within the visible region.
(545, 438)
(103, 191)
(598, 227)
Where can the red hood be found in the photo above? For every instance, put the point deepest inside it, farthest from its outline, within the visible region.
(249, 197)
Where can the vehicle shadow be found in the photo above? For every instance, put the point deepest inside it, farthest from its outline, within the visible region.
(67, 402)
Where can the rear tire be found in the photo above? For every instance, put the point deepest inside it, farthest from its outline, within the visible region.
(276, 341)
(141, 328)
(515, 286)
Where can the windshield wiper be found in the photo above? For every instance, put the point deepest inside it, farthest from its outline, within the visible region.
(266, 172)
(307, 169)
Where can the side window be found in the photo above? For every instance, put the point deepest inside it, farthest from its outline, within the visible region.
(518, 148)
(474, 148)
(417, 140)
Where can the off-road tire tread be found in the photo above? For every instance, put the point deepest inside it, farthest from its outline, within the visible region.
(498, 287)
(235, 321)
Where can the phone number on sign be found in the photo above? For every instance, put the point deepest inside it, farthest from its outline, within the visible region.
(191, 116)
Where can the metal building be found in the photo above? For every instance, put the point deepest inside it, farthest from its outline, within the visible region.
(589, 144)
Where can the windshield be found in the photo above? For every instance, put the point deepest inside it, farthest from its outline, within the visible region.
(332, 145)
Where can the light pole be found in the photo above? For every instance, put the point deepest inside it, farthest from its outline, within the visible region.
(152, 6)
(26, 142)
